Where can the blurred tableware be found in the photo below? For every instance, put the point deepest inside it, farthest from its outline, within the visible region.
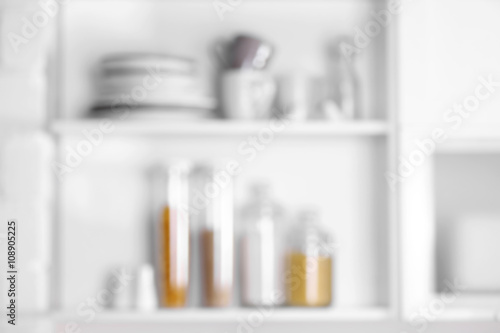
(120, 63)
(200, 104)
(171, 210)
(138, 81)
(344, 82)
(145, 298)
(261, 251)
(157, 113)
(324, 104)
(215, 222)
(247, 94)
(249, 52)
(244, 51)
(295, 96)
(331, 110)
(310, 245)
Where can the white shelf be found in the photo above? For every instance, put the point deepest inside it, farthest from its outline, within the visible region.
(469, 314)
(472, 307)
(234, 314)
(223, 127)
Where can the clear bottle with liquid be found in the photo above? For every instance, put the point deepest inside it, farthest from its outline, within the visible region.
(170, 184)
(213, 215)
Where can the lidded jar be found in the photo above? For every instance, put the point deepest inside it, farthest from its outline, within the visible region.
(170, 191)
(309, 262)
(213, 215)
(261, 249)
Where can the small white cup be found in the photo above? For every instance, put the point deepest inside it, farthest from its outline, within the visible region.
(145, 298)
(247, 94)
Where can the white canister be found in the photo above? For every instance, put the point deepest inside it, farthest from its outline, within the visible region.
(247, 94)
(295, 95)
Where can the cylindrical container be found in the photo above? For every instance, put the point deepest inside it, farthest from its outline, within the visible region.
(309, 263)
(171, 183)
(145, 297)
(295, 96)
(214, 218)
(248, 94)
(261, 255)
(344, 81)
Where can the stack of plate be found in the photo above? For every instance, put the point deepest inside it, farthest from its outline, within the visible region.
(152, 85)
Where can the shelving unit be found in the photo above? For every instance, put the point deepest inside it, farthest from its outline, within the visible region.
(337, 166)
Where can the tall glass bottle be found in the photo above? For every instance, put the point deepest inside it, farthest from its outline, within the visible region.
(171, 196)
(343, 79)
(261, 255)
(213, 214)
(309, 263)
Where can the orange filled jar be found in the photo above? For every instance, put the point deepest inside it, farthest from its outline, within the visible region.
(171, 193)
(213, 201)
(309, 263)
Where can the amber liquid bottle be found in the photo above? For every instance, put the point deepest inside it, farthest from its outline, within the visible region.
(175, 287)
(215, 223)
(172, 199)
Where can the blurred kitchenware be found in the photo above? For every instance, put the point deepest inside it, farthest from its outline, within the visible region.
(145, 298)
(244, 51)
(249, 52)
(309, 262)
(214, 219)
(171, 211)
(343, 81)
(262, 257)
(120, 63)
(295, 95)
(247, 94)
(324, 104)
(247, 91)
(138, 82)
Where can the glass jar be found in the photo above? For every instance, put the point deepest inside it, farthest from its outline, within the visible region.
(309, 263)
(213, 215)
(343, 81)
(261, 255)
(171, 206)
